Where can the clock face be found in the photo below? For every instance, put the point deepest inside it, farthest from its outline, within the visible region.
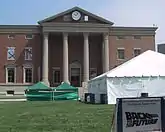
(76, 15)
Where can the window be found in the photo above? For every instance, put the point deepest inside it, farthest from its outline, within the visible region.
(93, 72)
(121, 53)
(11, 36)
(85, 18)
(137, 37)
(28, 74)
(29, 36)
(11, 53)
(28, 53)
(120, 37)
(10, 74)
(137, 51)
(56, 75)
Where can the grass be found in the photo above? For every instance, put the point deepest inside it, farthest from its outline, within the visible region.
(62, 116)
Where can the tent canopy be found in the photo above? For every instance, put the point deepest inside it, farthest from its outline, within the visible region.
(39, 85)
(149, 63)
(65, 87)
(42, 92)
(144, 73)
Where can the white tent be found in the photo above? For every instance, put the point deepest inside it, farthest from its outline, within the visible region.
(144, 73)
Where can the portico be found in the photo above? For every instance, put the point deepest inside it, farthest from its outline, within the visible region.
(65, 59)
(87, 28)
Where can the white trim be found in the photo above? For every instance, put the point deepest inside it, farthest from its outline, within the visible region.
(6, 69)
(137, 48)
(14, 53)
(27, 37)
(75, 65)
(11, 47)
(28, 47)
(11, 37)
(122, 48)
(15, 84)
(86, 18)
(26, 53)
(118, 54)
(24, 74)
(53, 70)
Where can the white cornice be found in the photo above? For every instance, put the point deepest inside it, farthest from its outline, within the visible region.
(132, 30)
(19, 29)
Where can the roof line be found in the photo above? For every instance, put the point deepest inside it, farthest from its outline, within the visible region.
(19, 26)
(79, 9)
(133, 28)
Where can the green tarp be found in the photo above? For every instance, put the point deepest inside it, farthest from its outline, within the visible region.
(39, 85)
(66, 87)
(42, 92)
(65, 92)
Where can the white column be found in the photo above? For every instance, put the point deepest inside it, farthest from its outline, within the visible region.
(86, 57)
(65, 58)
(106, 52)
(103, 57)
(45, 69)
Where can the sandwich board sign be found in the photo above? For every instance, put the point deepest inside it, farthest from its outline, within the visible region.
(139, 115)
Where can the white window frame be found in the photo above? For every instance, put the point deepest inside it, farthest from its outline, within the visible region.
(136, 49)
(6, 69)
(56, 69)
(86, 18)
(92, 69)
(14, 53)
(28, 37)
(24, 73)
(11, 37)
(26, 53)
(118, 53)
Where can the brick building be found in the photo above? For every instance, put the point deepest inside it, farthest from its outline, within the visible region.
(72, 46)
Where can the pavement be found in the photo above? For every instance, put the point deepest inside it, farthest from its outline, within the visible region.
(12, 100)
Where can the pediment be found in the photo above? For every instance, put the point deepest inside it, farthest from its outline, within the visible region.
(68, 17)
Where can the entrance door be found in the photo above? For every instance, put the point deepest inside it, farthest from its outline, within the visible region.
(75, 74)
(75, 77)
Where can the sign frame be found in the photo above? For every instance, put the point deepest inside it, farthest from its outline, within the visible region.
(119, 112)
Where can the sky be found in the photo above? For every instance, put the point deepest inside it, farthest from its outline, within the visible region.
(121, 12)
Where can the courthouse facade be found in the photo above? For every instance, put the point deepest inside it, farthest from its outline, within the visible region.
(73, 46)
